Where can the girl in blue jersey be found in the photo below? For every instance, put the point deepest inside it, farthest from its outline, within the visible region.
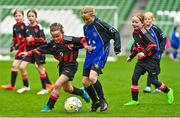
(160, 40)
(175, 42)
(98, 34)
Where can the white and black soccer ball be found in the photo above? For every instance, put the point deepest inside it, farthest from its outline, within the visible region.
(73, 104)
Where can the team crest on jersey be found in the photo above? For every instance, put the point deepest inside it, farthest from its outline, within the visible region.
(36, 30)
(95, 34)
(96, 66)
(140, 36)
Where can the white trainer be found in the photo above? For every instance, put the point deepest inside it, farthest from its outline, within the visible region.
(156, 91)
(147, 90)
(23, 89)
(42, 92)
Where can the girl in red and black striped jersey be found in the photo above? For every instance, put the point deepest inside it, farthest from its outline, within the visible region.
(145, 49)
(18, 43)
(35, 38)
(65, 49)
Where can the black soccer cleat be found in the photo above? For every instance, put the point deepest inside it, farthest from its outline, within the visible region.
(95, 106)
(103, 105)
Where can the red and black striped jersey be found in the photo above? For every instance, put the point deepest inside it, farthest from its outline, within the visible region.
(36, 34)
(19, 34)
(142, 43)
(60, 51)
(19, 38)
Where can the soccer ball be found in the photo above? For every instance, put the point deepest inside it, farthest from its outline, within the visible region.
(73, 104)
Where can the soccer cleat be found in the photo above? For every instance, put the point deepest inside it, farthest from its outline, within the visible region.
(46, 109)
(49, 87)
(156, 91)
(8, 87)
(85, 95)
(170, 96)
(147, 90)
(23, 89)
(103, 105)
(132, 103)
(42, 92)
(95, 106)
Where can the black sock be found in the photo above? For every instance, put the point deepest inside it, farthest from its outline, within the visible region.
(43, 80)
(163, 88)
(51, 102)
(135, 96)
(99, 90)
(134, 92)
(13, 77)
(25, 80)
(91, 92)
(148, 82)
(77, 91)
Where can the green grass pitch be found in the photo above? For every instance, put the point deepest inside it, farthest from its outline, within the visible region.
(116, 82)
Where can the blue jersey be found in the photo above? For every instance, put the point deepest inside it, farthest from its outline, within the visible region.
(98, 35)
(175, 40)
(158, 53)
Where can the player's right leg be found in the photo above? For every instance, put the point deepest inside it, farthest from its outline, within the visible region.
(14, 72)
(55, 93)
(138, 71)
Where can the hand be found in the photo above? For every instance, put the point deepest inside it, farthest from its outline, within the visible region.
(129, 59)
(117, 50)
(11, 49)
(29, 39)
(23, 54)
(140, 55)
(89, 48)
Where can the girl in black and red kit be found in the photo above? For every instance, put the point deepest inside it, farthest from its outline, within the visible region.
(19, 36)
(145, 49)
(34, 38)
(65, 49)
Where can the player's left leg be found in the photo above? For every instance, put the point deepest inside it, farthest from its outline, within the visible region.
(76, 91)
(163, 88)
(93, 76)
(43, 79)
(91, 92)
(148, 86)
(24, 74)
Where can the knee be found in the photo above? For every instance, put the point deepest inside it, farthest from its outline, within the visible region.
(85, 82)
(57, 87)
(93, 79)
(67, 89)
(14, 68)
(22, 68)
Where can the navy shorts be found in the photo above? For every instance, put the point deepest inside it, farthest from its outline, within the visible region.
(94, 67)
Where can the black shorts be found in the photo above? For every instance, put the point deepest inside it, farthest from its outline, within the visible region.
(152, 66)
(18, 58)
(68, 69)
(94, 67)
(35, 58)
